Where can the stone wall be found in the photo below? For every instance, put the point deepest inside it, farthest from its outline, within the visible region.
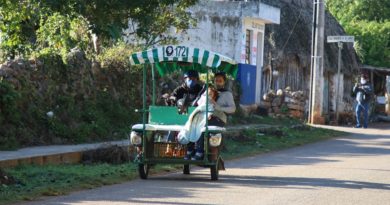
(49, 100)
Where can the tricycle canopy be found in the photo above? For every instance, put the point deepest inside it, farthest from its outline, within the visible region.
(168, 59)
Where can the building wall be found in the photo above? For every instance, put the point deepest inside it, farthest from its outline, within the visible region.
(222, 24)
(222, 27)
(215, 33)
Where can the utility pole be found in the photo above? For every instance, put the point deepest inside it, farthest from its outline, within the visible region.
(317, 75)
(313, 34)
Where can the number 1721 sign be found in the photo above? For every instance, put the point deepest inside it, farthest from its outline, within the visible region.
(175, 51)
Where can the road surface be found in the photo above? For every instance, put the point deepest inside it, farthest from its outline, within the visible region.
(349, 170)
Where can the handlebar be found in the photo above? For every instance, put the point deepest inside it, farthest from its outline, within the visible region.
(140, 110)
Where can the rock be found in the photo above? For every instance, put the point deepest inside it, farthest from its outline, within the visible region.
(279, 92)
(285, 102)
(296, 114)
(6, 179)
(277, 102)
(276, 110)
(295, 107)
(269, 96)
(265, 104)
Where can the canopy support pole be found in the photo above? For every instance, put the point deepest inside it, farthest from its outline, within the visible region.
(153, 86)
(144, 101)
(206, 134)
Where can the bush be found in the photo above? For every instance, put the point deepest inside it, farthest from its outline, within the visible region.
(8, 103)
(61, 33)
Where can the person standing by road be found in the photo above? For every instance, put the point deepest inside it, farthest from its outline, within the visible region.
(363, 93)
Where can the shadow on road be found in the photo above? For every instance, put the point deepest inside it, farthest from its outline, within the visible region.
(156, 189)
(300, 182)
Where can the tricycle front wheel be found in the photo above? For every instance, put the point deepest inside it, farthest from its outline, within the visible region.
(214, 171)
(186, 169)
(143, 170)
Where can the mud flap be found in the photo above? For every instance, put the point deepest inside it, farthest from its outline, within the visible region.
(221, 164)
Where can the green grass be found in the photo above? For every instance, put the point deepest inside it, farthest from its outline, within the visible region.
(53, 180)
(252, 142)
(257, 119)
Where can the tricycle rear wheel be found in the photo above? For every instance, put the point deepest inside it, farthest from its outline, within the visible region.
(186, 169)
(143, 170)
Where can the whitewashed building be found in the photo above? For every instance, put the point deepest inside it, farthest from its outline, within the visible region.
(235, 29)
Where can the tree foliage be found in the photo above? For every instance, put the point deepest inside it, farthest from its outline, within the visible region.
(369, 22)
(61, 33)
(53, 23)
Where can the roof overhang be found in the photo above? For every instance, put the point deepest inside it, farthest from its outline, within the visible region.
(243, 9)
(264, 12)
(369, 67)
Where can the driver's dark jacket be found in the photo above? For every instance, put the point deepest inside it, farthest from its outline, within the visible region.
(183, 91)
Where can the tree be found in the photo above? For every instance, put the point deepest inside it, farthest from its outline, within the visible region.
(17, 26)
(151, 23)
(21, 20)
(369, 22)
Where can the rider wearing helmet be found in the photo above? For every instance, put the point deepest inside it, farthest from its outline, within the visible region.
(189, 90)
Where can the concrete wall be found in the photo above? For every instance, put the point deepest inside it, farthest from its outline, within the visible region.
(221, 26)
(215, 33)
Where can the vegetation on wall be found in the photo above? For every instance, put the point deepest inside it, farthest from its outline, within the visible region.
(51, 101)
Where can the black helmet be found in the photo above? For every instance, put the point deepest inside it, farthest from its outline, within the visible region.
(191, 73)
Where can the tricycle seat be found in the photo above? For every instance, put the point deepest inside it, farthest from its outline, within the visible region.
(167, 115)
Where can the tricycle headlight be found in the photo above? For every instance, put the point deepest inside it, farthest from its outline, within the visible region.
(135, 138)
(215, 139)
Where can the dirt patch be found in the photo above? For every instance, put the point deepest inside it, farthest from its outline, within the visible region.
(112, 154)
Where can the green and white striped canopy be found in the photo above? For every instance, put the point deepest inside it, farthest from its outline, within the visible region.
(170, 58)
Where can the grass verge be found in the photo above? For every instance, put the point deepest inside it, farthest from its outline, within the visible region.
(33, 182)
(252, 142)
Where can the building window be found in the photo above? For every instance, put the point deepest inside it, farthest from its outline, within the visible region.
(248, 43)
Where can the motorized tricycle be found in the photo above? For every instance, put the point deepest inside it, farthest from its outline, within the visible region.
(153, 137)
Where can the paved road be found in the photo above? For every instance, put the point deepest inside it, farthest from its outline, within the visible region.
(348, 170)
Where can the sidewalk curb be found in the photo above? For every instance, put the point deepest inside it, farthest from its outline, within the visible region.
(72, 157)
(62, 158)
